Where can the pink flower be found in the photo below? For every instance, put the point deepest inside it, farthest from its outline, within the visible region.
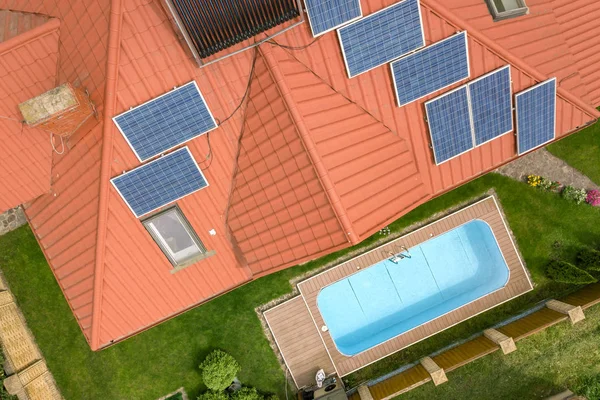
(593, 198)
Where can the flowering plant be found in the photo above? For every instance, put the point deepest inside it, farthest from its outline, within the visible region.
(534, 180)
(593, 198)
(545, 183)
(555, 186)
(572, 194)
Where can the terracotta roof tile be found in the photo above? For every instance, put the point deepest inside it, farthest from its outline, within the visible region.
(321, 156)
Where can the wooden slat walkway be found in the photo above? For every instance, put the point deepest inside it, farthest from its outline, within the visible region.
(465, 353)
(585, 297)
(532, 323)
(298, 341)
(518, 284)
(397, 384)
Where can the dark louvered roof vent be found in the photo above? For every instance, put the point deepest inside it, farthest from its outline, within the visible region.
(212, 26)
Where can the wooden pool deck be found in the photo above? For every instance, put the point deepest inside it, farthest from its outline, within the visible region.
(296, 323)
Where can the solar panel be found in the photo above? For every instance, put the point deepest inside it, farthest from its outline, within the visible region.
(431, 69)
(326, 15)
(491, 105)
(449, 122)
(382, 37)
(160, 182)
(536, 116)
(166, 121)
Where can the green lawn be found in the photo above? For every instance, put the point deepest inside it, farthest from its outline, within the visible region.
(164, 358)
(582, 151)
(544, 364)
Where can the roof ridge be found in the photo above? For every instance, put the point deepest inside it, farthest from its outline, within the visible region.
(515, 61)
(313, 155)
(112, 67)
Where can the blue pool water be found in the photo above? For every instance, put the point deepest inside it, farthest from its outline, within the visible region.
(387, 299)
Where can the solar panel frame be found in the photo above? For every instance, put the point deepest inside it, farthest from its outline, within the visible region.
(186, 149)
(317, 34)
(431, 135)
(512, 123)
(215, 125)
(339, 32)
(517, 96)
(464, 33)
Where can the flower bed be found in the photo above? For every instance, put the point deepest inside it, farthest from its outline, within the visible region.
(578, 196)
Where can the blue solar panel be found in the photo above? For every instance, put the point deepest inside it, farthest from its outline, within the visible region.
(449, 122)
(160, 182)
(491, 105)
(536, 115)
(325, 15)
(382, 37)
(430, 69)
(166, 121)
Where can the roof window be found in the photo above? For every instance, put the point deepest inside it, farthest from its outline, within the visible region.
(504, 9)
(176, 238)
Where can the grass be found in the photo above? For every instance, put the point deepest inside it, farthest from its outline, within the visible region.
(546, 363)
(166, 357)
(582, 151)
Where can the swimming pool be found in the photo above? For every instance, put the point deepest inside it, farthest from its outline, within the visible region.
(388, 299)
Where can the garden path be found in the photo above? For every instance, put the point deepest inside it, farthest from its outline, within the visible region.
(542, 162)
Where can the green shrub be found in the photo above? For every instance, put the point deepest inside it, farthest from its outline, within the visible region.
(565, 272)
(572, 194)
(588, 259)
(247, 393)
(218, 370)
(589, 387)
(214, 395)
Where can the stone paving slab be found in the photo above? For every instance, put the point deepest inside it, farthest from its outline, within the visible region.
(542, 162)
(11, 220)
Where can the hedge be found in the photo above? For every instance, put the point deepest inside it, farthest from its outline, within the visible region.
(561, 271)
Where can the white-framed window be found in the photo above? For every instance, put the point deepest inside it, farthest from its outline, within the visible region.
(176, 238)
(504, 9)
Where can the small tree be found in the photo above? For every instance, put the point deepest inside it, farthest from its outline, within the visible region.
(588, 259)
(250, 393)
(213, 395)
(565, 272)
(218, 370)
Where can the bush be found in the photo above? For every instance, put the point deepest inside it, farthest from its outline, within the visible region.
(218, 370)
(214, 395)
(588, 259)
(588, 387)
(593, 198)
(247, 393)
(250, 393)
(565, 272)
(572, 194)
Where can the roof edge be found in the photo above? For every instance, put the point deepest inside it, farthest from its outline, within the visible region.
(446, 14)
(311, 149)
(112, 66)
(49, 26)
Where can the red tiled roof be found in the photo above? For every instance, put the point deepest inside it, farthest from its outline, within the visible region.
(28, 62)
(578, 20)
(13, 23)
(279, 211)
(371, 168)
(313, 162)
